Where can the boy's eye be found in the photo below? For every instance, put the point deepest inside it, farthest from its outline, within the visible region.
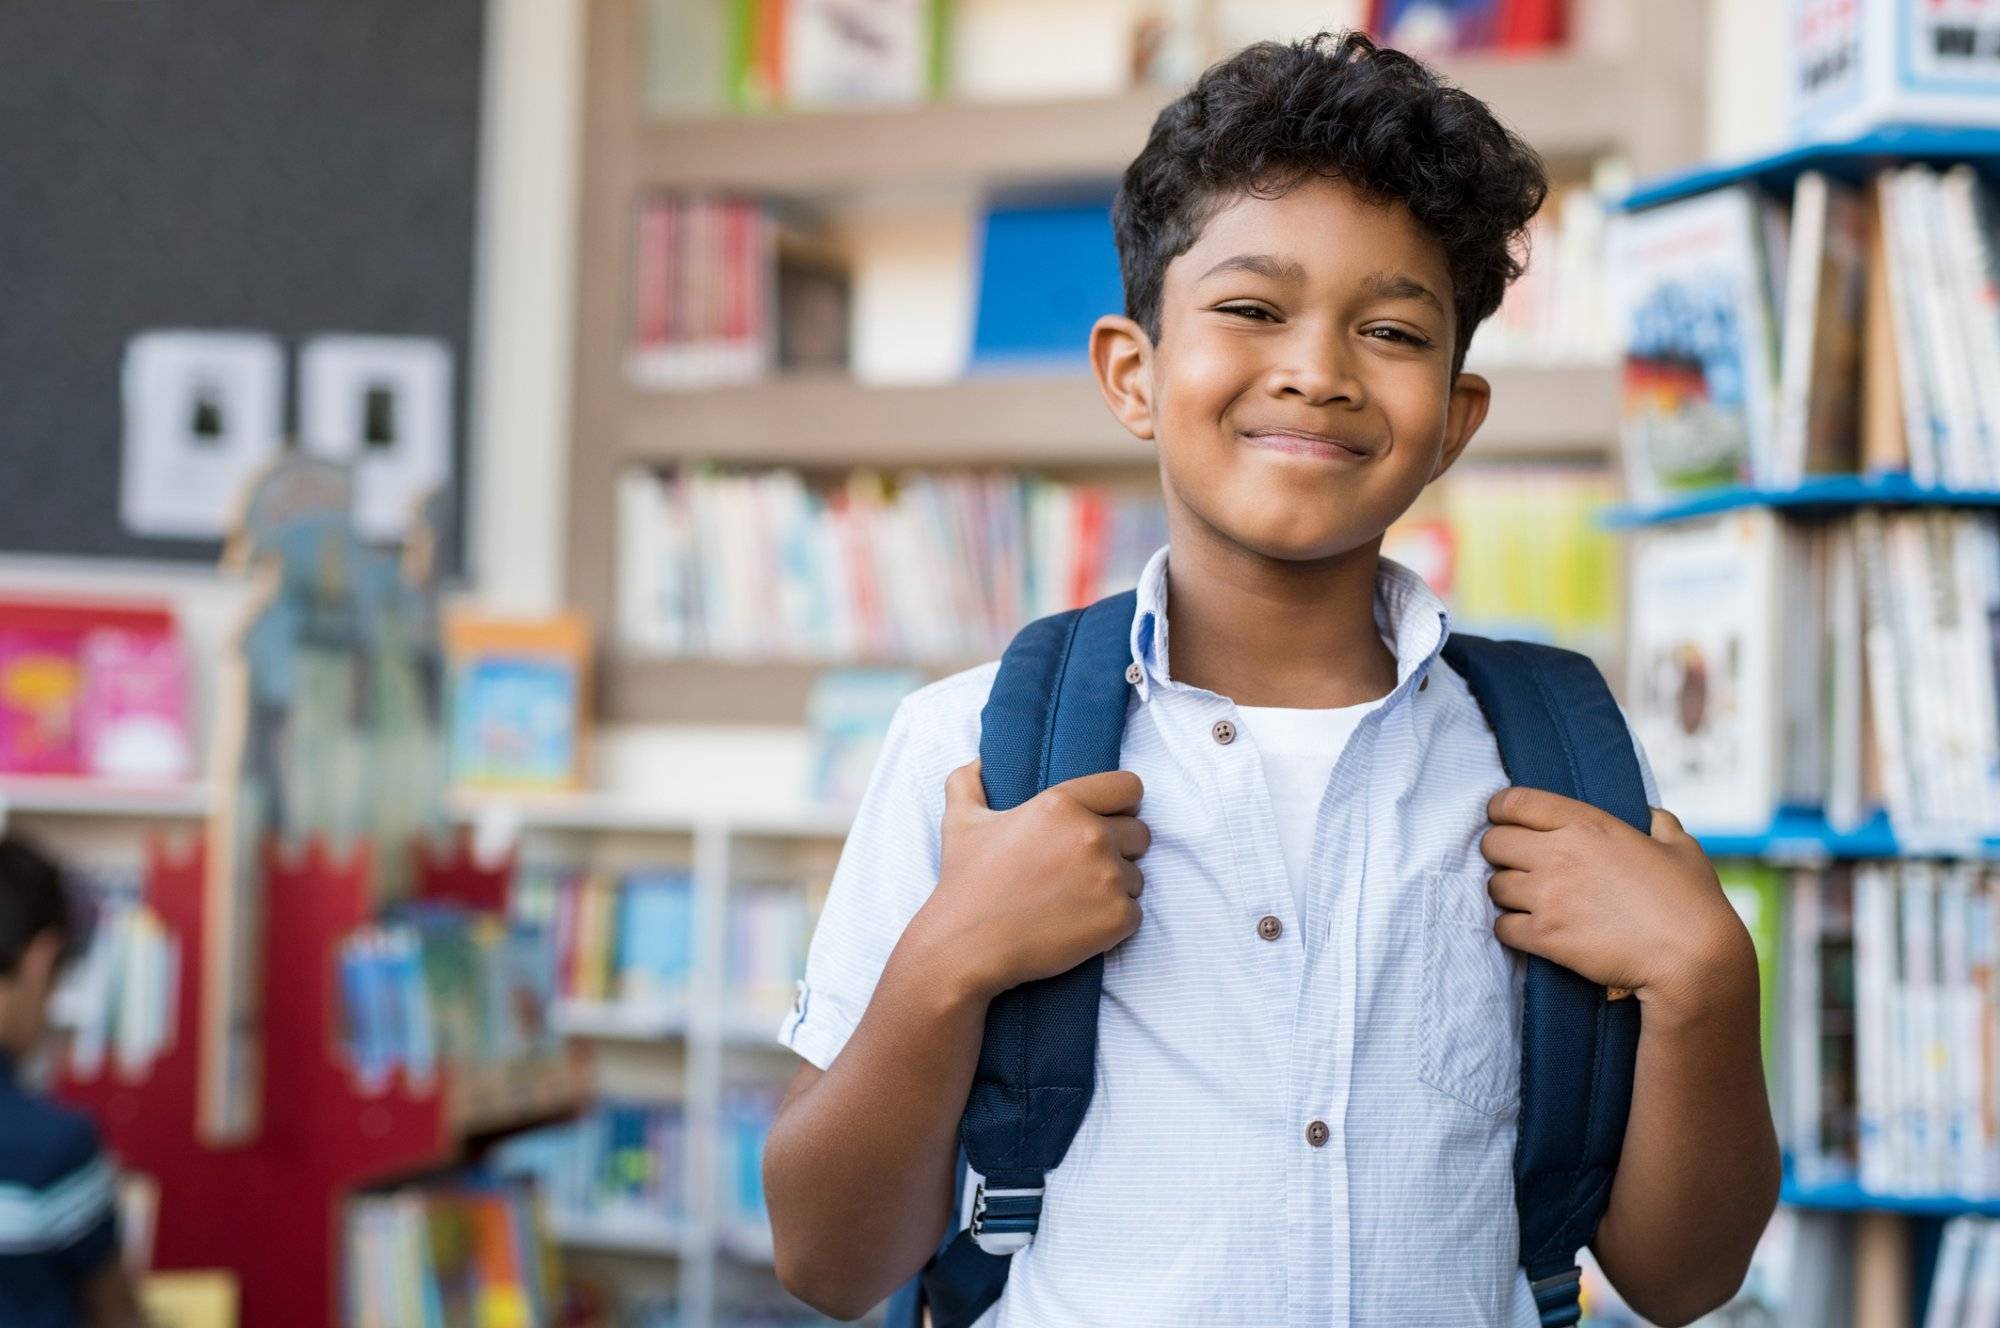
(1254, 311)
(1396, 334)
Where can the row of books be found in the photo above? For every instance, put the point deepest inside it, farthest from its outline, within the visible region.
(709, 56)
(615, 937)
(725, 291)
(460, 1252)
(117, 1001)
(769, 926)
(621, 1161)
(1844, 664)
(1888, 1028)
(1519, 551)
(443, 986)
(938, 566)
(1555, 312)
(1965, 1281)
(1843, 329)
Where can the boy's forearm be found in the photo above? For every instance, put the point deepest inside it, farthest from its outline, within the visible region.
(859, 1166)
(1698, 1175)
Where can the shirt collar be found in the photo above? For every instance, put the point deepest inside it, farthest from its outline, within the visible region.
(1412, 619)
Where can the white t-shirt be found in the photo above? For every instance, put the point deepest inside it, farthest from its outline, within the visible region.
(1299, 749)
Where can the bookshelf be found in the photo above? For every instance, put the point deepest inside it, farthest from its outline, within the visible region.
(1575, 106)
(1897, 1215)
(689, 1049)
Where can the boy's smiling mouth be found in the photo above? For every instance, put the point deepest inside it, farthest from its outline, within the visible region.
(1309, 443)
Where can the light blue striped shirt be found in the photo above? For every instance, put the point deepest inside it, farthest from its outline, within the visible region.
(1388, 1013)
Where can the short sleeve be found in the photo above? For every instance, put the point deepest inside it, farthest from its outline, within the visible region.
(889, 863)
(66, 1208)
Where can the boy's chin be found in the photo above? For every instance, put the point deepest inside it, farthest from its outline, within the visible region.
(1300, 544)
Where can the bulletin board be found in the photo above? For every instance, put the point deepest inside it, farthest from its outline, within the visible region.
(298, 169)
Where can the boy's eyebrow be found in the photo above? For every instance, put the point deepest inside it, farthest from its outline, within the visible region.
(1400, 286)
(1263, 265)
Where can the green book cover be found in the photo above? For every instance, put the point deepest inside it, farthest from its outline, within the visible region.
(1756, 891)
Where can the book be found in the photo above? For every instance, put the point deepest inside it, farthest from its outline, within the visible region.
(519, 694)
(1689, 293)
(1817, 426)
(1705, 665)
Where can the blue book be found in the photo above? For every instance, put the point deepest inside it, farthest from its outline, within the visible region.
(655, 934)
(1045, 275)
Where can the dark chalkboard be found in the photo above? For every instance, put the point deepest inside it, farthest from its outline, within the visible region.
(290, 166)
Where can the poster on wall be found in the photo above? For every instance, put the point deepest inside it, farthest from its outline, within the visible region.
(204, 410)
(384, 405)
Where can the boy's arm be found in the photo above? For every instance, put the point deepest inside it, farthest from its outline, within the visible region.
(858, 1166)
(1698, 1175)
(109, 1299)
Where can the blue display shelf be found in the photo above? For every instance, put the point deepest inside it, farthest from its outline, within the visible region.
(1802, 835)
(1852, 159)
(1822, 493)
(1848, 1197)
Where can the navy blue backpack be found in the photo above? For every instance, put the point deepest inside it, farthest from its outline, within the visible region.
(1057, 712)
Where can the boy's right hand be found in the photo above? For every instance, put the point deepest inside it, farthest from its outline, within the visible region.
(1032, 892)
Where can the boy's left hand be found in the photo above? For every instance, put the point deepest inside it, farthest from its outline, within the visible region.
(1640, 912)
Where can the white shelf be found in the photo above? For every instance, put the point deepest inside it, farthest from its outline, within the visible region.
(56, 795)
(606, 811)
(628, 1021)
(621, 1233)
(746, 1242)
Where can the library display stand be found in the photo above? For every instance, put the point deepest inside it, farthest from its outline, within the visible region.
(1895, 1235)
(270, 1209)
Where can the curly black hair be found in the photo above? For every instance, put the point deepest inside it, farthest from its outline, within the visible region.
(1334, 105)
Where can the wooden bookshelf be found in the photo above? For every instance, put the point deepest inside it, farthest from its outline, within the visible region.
(1039, 419)
(1571, 107)
(1638, 102)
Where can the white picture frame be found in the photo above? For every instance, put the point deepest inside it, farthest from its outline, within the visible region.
(203, 412)
(382, 404)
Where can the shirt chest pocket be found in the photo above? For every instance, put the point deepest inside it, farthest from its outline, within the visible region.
(1470, 1038)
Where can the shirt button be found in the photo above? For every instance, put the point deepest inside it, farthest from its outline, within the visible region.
(1316, 1134)
(1423, 682)
(1270, 928)
(1133, 673)
(1224, 732)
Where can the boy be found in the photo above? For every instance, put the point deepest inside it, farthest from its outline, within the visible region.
(1308, 1057)
(58, 1225)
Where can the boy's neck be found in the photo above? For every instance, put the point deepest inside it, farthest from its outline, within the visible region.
(1265, 632)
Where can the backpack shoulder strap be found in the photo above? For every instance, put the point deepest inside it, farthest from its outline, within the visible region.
(1559, 729)
(1056, 712)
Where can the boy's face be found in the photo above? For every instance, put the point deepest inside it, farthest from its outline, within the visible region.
(24, 996)
(1301, 392)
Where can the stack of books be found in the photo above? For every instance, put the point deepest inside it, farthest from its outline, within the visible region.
(927, 567)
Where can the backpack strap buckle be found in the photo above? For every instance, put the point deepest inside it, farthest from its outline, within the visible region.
(1556, 1297)
(1004, 1221)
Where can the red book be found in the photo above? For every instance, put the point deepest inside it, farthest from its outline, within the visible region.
(654, 237)
(1532, 25)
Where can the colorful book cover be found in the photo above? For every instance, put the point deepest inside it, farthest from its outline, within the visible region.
(655, 935)
(132, 713)
(519, 697)
(1704, 659)
(1689, 294)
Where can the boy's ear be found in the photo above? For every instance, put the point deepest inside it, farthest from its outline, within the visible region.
(42, 959)
(1121, 355)
(1470, 396)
